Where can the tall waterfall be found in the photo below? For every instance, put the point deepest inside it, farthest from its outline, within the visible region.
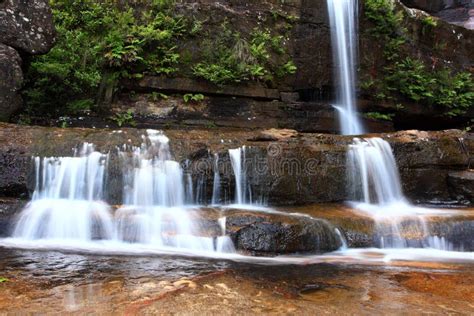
(343, 15)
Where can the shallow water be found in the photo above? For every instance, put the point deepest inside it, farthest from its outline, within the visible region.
(55, 282)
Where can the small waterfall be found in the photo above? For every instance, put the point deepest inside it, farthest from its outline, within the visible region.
(343, 15)
(216, 187)
(150, 176)
(376, 183)
(236, 161)
(374, 170)
(243, 192)
(66, 201)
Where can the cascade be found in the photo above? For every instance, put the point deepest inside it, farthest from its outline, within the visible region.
(66, 203)
(216, 187)
(68, 206)
(343, 17)
(376, 183)
(237, 159)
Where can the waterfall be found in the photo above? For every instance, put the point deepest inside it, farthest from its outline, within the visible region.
(150, 176)
(216, 187)
(343, 15)
(242, 191)
(376, 183)
(66, 203)
(374, 170)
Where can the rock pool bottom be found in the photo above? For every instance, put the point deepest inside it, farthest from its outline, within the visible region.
(54, 282)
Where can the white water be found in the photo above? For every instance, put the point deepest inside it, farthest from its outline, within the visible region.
(67, 203)
(376, 182)
(343, 15)
(216, 186)
(242, 192)
(374, 170)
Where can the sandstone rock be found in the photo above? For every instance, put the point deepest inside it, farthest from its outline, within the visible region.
(310, 168)
(434, 6)
(9, 209)
(284, 236)
(11, 81)
(461, 185)
(27, 25)
(274, 134)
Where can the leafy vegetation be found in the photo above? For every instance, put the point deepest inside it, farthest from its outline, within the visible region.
(3, 280)
(125, 118)
(231, 58)
(99, 43)
(404, 75)
(189, 97)
(379, 116)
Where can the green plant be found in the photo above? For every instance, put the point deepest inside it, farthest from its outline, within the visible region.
(408, 76)
(124, 118)
(454, 92)
(289, 68)
(211, 125)
(429, 21)
(99, 42)
(3, 280)
(231, 58)
(379, 116)
(189, 97)
(382, 14)
(155, 96)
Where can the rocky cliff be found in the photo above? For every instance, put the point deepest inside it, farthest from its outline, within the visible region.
(26, 28)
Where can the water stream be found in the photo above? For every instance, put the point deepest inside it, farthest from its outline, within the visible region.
(375, 182)
(343, 17)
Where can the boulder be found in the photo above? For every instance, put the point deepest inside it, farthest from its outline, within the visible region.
(27, 25)
(11, 82)
(261, 233)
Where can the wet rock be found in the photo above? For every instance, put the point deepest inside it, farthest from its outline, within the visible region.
(27, 25)
(310, 168)
(435, 5)
(11, 82)
(280, 234)
(274, 134)
(457, 232)
(9, 209)
(461, 185)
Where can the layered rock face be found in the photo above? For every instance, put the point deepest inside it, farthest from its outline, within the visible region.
(282, 168)
(435, 6)
(459, 12)
(26, 28)
(302, 101)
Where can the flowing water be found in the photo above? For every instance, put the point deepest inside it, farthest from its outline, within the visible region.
(343, 17)
(68, 207)
(376, 183)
